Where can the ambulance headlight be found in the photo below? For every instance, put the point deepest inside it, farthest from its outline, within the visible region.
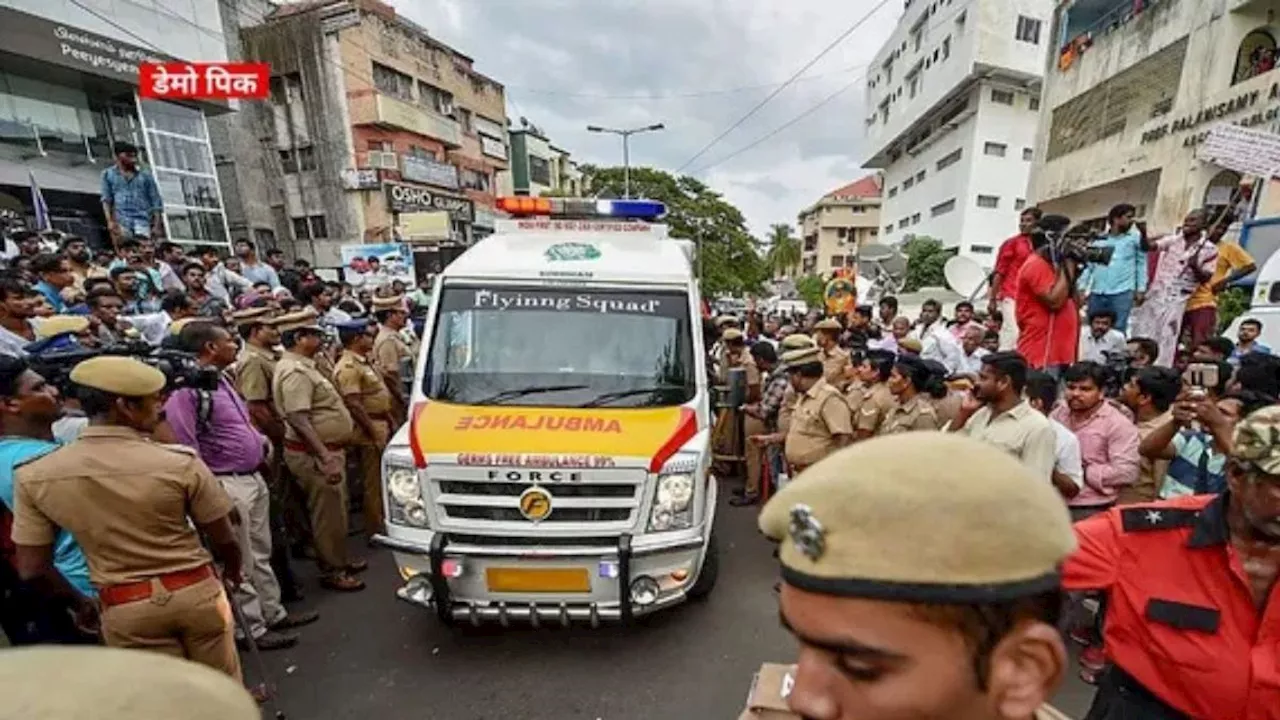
(672, 503)
(404, 493)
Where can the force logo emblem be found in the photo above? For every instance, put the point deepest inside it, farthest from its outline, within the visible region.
(535, 504)
(807, 533)
(573, 251)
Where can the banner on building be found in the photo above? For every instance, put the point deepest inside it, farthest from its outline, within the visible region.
(1248, 151)
(420, 227)
(368, 266)
(426, 170)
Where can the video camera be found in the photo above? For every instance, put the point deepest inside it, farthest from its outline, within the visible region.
(55, 362)
(1119, 369)
(1064, 241)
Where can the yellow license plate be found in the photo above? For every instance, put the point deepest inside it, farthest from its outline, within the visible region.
(548, 580)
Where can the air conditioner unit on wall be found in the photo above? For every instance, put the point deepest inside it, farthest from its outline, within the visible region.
(384, 160)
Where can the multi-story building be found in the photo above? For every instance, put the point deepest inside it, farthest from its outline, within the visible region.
(538, 167)
(952, 107)
(833, 229)
(382, 132)
(1130, 92)
(68, 93)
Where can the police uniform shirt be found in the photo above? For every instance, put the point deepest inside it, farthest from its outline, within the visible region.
(354, 375)
(855, 395)
(878, 403)
(820, 415)
(835, 361)
(914, 414)
(389, 349)
(947, 407)
(126, 500)
(298, 386)
(740, 359)
(253, 373)
(787, 409)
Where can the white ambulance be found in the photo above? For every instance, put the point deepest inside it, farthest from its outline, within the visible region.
(555, 468)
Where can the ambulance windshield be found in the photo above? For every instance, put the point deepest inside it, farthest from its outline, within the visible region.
(561, 347)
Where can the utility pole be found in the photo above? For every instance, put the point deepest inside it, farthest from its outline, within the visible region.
(626, 148)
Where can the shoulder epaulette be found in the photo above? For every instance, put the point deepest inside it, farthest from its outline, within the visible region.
(178, 448)
(1141, 519)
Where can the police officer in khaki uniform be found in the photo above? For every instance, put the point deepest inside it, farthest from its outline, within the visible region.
(252, 377)
(905, 606)
(370, 405)
(728, 425)
(317, 430)
(836, 362)
(912, 384)
(821, 422)
(135, 507)
(62, 683)
(877, 400)
(794, 341)
(390, 351)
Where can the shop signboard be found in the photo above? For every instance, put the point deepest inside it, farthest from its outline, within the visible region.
(1248, 151)
(370, 266)
(408, 198)
(360, 179)
(67, 46)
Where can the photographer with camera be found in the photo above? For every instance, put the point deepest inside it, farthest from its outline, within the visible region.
(217, 425)
(1120, 283)
(137, 508)
(1047, 315)
(1187, 259)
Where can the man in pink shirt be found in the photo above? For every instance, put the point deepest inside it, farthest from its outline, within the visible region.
(1108, 439)
(1003, 289)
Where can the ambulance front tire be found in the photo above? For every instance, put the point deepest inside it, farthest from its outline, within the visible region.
(709, 573)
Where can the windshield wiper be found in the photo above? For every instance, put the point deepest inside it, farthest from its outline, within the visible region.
(521, 392)
(618, 395)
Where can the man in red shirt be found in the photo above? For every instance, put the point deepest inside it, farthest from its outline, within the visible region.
(1193, 616)
(1048, 320)
(1004, 278)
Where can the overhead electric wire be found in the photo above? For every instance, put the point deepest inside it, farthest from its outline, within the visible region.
(768, 136)
(684, 95)
(831, 46)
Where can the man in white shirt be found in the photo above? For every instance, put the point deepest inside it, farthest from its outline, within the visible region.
(1068, 472)
(971, 346)
(937, 343)
(1100, 338)
(996, 413)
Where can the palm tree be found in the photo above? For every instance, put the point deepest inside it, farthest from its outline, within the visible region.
(783, 256)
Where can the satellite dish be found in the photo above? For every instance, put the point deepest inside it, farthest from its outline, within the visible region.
(964, 275)
(865, 288)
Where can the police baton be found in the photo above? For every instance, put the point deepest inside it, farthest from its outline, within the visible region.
(266, 689)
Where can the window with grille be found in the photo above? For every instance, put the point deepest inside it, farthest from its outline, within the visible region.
(1028, 154)
(950, 158)
(1004, 97)
(1028, 30)
(1033, 103)
(1019, 204)
(943, 208)
(988, 201)
(994, 148)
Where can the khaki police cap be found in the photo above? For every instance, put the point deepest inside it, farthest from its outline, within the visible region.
(104, 683)
(796, 341)
(920, 517)
(252, 316)
(829, 324)
(389, 303)
(1257, 439)
(801, 356)
(304, 319)
(911, 345)
(175, 327)
(731, 335)
(59, 324)
(725, 320)
(118, 375)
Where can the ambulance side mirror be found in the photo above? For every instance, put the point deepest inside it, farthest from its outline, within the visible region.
(737, 388)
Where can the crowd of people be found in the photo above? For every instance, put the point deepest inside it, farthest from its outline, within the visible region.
(1108, 381)
(124, 477)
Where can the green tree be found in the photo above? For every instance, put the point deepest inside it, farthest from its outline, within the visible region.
(925, 260)
(1232, 303)
(812, 289)
(727, 258)
(784, 253)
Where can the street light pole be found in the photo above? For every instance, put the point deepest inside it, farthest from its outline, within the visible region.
(626, 148)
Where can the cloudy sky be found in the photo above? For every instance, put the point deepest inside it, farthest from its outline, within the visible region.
(695, 65)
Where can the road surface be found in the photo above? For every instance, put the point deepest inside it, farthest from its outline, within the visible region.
(373, 657)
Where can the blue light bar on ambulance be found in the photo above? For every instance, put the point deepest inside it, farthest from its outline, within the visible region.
(582, 208)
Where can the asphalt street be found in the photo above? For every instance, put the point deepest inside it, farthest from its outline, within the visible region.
(372, 656)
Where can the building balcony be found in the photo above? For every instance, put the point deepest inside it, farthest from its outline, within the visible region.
(386, 111)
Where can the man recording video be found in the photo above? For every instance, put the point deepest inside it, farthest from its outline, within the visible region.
(1047, 315)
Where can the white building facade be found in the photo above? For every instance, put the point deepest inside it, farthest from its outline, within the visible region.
(952, 113)
(1130, 92)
